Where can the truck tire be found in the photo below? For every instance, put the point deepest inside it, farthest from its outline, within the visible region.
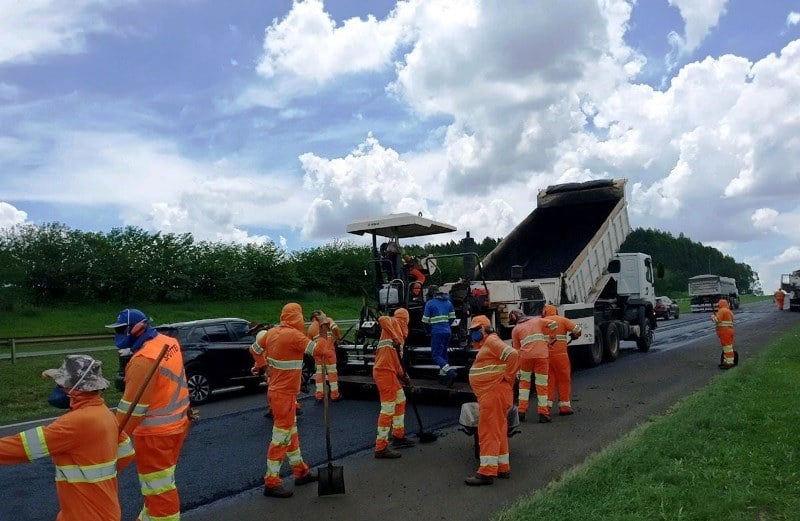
(593, 354)
(610, 342)
(645, 339)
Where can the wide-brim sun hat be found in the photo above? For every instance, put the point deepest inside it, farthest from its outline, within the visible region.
(79, 372)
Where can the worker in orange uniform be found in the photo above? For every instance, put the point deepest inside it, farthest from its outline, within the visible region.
(388, 372)
(416, 279)
(287, 343)
(85, 443)
(780, 295)
(492, 378)
(328, 358)
(723, 319)
(260, 367)
(531, 336)
(559, 377)
(159, 422)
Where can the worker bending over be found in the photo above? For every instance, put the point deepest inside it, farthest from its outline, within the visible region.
(531, 336)
(492, 378)
(328, 357)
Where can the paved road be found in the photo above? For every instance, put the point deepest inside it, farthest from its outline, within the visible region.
(220, 471)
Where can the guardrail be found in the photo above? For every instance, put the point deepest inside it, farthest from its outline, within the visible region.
(14, 342)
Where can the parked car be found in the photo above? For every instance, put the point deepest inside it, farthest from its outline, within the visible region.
(666, 308)
(215, 355)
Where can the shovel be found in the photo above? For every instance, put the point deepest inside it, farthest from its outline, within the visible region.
(331, 477)
(423, 435)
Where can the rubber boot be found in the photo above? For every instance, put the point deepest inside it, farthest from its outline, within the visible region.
(479, 480)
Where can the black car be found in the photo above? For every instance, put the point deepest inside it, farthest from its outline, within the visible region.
(215, 354)
(666, 308)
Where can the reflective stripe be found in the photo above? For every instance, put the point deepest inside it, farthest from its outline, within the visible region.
(385, 343)
(387, 408)
(176, 408)
(398, 421)
(525, 375)
(383, 433)
(309, 350)
(145, 516)
(125, 449)
(438, 319)
(524, 394)
(541, 337)
(539, 379)
(487, 369)
(577, 329)
(295, 457)
(503, 459)
(489, 461)
(506, 353)
(156, 483)
(724, 323)
(273, 467)
(86, 473)
(281, 436)
(34, 443)
(140, 409)
(257, 349)
(562, 337)
(287, 365)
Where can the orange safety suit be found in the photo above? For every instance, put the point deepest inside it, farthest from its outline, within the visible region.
(492, 378)
(287, 344)
(158, 423)
(328, 358)
(531, 337)
(386, 372)
(559, 377)
(779, 298)
(415, 285)
(87, 450)
(723, 319)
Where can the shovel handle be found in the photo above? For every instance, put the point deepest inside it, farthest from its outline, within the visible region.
(140, 392)
(325, 418)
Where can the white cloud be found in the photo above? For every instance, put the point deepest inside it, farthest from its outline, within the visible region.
(36, 27)
(700, 17)
(10, 216)
(789, 255)
(793, 18)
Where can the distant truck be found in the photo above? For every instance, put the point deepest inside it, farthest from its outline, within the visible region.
(790, 283)
(706, 291)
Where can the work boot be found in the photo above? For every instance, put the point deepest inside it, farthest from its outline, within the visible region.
(725, 366)
(543, 418)
(308, 478)
(278, 491)
(478, 480)
(566, 412)
(387, 453)
(336, 397)
(522, 417)
(504, 475)
(403, 443)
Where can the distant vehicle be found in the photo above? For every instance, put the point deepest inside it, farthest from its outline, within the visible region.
(790, 283)
(215, 356)
(707, 290)
(666, 308)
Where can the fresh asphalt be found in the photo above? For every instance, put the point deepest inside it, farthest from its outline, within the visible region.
(223, 461)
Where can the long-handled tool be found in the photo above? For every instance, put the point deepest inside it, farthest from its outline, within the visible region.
(423, 435)
(331, 477)
(140, 392)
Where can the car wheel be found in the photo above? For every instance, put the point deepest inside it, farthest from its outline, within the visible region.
(199, 387)
(677, 315)
(668, 315)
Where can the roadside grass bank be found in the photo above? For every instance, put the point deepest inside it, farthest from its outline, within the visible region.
(730, 451)
(23, 392)
(685, 305)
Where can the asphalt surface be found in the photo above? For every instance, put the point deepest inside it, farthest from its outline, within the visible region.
(221, 468)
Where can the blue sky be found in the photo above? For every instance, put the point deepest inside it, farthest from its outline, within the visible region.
(282, 121)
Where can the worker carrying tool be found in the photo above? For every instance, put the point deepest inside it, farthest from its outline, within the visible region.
(437, 318)
(559, 377)
(85, 444)
(159, 420)
(388, 373)
(780, 297)
(328, 358)
(287, 343)
(531, 336)
(492, 377)
(723, 320)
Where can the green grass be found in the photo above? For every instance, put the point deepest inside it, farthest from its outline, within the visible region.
(731, 451)
(684, 302)
(23, 392)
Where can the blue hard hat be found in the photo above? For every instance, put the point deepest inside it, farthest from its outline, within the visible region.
(128, 317)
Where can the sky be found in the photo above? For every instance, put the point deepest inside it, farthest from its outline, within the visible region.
(251, 121)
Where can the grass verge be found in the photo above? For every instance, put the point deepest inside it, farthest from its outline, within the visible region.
(731, 451)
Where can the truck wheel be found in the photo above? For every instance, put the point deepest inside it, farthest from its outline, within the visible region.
(645, 339)
(611, 343)
(593, 354)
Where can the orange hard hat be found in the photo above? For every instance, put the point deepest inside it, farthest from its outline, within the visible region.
(480, 321)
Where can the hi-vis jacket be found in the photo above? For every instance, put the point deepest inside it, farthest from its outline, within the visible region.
(287, 344)
(162, 407)
(439, 314)
(393, 331)
(564, 327)
(496, 364)
(87, 450)
(532, 336)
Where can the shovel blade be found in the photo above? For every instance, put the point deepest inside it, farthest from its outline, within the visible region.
(331, 480)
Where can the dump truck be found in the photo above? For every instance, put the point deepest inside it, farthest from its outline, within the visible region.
(565, 253)
(707, 290)
(790, 283)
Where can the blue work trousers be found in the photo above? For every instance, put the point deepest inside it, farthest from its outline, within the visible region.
(439, 344)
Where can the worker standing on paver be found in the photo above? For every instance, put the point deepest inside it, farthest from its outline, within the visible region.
(85, 443)
(492, 378)
(287, 343)
(159, 421)
(328, 358)
(559, 378)
(388, 372)
(437, 318)
(723, 320)
(531, 337)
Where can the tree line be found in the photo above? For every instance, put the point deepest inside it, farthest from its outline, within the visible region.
(52, 264)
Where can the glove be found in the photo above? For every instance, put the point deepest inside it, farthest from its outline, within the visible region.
(405, 379)
(193, 414)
